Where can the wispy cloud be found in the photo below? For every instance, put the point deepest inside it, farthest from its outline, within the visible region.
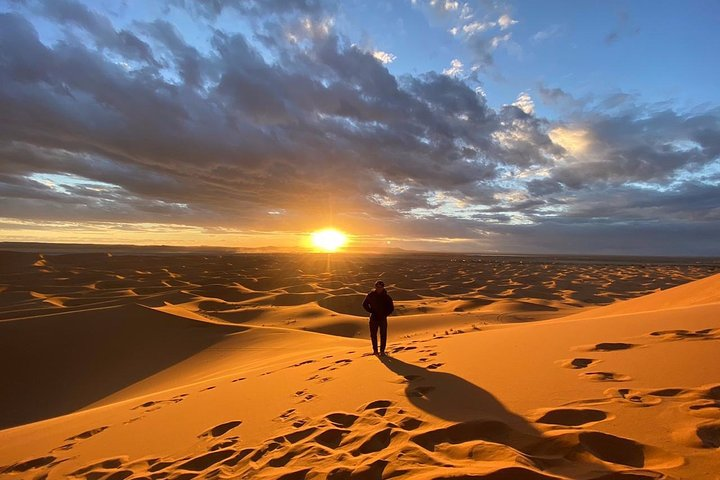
(384, 57)
(483, 29)
(456, 68)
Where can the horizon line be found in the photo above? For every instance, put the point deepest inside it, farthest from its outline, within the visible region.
(271, 249)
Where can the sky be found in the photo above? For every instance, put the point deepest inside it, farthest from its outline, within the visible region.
(577, 127)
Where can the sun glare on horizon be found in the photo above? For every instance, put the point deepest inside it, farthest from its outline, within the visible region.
(328, 240)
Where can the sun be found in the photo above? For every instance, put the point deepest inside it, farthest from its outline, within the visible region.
(328, 239)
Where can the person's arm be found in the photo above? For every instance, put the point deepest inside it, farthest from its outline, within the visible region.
(391, 305)
(366, 304)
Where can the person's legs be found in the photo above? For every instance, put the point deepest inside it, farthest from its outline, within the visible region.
(373, 335)
(383, 336)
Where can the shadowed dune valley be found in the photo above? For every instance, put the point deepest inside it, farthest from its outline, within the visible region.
(231, 366)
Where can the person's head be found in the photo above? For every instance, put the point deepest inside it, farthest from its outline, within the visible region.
(379, 286)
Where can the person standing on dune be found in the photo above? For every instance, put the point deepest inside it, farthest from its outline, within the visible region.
(379, 304)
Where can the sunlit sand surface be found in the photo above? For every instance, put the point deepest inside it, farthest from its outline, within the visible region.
(257, 366)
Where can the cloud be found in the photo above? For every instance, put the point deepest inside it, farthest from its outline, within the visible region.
(639, 146)
(252, 7)
(481, 28)
(237, 133)
(525, 103)
(575, 140)
(384, 57)
(245, 130)
(505, 22)
(476, 27)
(546, 34)
(455, 69)
(553, 95)
(445, 5)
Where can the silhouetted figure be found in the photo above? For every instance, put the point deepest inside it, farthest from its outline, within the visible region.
(380, 305)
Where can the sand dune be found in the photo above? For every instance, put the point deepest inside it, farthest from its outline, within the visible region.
(257, 367)
(91, 353)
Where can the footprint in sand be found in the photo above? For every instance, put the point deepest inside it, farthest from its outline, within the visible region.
(26, 465)
(572, 417)
(402, 348)
(434, 366)
(87, 434)
(80, 436)
(344, 420)
(378, 406)
(668, 392)
(709, 434)
(67, 446)
(287, 413)
(238, 379)
(101, 468)
(306, 362)
(578, 363)
(634, 397)
(296, 436)
(605, 376)
(705, 334)
(225, 443)
(706, 402)
(219, 430)
(336, 365)
(157, 404)
(410, 423)
(612, 346)
(204, 461)
(331, 437)
(376, 442)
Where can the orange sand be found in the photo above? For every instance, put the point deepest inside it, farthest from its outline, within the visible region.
(256, 366)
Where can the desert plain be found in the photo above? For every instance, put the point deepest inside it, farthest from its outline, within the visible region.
(180, 366)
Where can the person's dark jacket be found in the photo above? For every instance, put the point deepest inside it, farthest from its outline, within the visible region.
(380, 305)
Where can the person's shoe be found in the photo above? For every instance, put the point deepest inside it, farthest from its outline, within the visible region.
(382, 354)
(375, 353)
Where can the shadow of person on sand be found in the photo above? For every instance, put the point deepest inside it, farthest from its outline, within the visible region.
(479, 416)
(453, 398)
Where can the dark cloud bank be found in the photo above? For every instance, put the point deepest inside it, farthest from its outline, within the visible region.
(296, 121)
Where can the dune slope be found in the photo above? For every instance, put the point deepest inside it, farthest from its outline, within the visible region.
(79, 357)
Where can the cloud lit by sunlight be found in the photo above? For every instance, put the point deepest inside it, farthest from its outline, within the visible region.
(575, 141)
